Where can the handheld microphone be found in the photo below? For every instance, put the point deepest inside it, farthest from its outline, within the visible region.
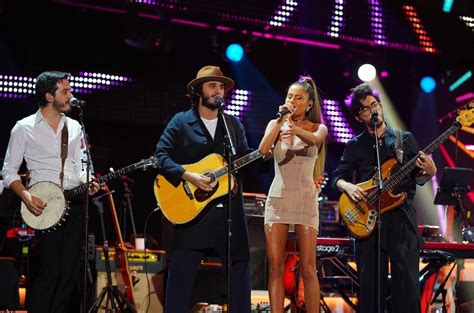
(282, 112)
(219, 101)
(74, 102)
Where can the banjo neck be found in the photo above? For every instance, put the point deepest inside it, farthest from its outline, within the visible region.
(77, 191)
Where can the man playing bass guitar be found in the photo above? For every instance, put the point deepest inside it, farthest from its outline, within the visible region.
(399, 236)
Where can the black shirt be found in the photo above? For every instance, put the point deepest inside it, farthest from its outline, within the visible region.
(358, 163)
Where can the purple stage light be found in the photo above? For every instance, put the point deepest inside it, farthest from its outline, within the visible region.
(20, 86)
(239, 103)
(336, 122)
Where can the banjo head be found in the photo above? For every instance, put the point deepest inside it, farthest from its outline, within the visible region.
(55, 209)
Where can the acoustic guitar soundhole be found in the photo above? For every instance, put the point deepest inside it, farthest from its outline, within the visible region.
(202, 195)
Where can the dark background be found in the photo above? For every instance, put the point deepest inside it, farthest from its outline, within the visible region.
(144, 42)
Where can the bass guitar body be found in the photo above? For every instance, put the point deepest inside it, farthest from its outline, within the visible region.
(360, 217)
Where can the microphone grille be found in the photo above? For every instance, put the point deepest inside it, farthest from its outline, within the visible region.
(219, 101)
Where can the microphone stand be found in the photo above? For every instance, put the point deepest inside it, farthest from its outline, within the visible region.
(89, 170)
(230, 152)
(128, 205)
(374, 120)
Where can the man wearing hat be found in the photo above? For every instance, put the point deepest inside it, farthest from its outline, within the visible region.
(190, 136)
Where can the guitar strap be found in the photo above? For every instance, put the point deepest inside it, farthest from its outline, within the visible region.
(399, 145)
(64, 143)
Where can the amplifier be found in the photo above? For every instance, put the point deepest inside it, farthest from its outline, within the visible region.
(254, 203)
(155, 260)
(149, 281)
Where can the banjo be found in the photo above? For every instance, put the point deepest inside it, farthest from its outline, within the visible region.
(57, 199)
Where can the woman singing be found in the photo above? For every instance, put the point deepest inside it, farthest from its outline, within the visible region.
(297, 141)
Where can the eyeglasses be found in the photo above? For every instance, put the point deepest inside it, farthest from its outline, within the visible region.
(367, 109)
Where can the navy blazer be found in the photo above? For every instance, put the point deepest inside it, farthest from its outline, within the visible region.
(186, 140)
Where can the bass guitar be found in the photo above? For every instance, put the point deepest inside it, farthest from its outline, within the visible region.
(57, 199)
(182, 204)
(360, 217)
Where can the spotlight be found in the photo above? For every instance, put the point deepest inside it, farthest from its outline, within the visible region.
(234, 52)
(367, 72)
(427, 84)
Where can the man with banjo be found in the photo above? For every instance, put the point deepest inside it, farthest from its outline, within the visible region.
(53, 147)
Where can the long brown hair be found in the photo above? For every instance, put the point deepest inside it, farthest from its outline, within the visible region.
(314, 115)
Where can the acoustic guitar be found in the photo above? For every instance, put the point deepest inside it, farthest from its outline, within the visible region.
(182, 204)
(360, 217)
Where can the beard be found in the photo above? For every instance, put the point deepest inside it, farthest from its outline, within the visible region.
(209, 105)
(62, 107)
(380, 122)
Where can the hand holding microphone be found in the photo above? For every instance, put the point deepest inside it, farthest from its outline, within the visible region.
(285, 109)
(282, 112)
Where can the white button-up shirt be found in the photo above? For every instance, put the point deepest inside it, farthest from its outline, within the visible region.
(35, 141)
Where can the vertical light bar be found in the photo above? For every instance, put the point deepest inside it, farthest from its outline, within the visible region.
(376, 22)
(239, 103)
(283, 14)
(337, 19)
(447, 5)
(339, 128)
(415, 22)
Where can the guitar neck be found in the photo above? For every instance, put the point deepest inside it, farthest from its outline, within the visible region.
(410, 165)
(113, 213)
(241, 162)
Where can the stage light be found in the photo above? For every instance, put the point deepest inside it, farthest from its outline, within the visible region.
(447, 5)
(423, 38)
(367, 72)
(240, 102)
(234, 52)
(428, 84)
(339, 127)
(460, 81)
